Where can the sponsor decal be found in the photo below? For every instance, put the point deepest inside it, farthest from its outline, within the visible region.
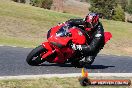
(85, 81)
(80, 33)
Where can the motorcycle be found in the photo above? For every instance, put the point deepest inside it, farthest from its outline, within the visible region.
(58, 48)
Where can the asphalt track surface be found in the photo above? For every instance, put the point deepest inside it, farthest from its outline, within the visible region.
(12, 63)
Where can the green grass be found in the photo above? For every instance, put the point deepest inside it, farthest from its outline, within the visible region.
(121, 42)
(18, 42)
(49, 83)
(26, 26)
(19, 22)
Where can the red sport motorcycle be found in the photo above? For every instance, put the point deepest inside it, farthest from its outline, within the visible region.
(58, 47)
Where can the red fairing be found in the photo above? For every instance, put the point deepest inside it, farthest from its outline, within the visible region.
(107, 36)
(63, 55)
(56, 28)
(63, 41)
(77, 36)
(47, 46)
(49, 49)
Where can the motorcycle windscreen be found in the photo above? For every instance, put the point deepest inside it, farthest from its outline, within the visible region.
(61, 37)
(63, 31)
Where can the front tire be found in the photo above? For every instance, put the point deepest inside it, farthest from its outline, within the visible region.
(34, 58)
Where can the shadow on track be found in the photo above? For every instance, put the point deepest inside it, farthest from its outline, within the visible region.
(88, 67)
(98, 67)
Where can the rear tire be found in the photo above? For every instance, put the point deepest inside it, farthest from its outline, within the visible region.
(34, 58)
(76, 64)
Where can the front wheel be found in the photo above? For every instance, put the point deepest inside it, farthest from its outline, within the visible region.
(34, 57)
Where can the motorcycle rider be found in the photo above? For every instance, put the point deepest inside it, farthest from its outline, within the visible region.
(94, 28)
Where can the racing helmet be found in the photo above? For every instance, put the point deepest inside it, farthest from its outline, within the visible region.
(91, 20)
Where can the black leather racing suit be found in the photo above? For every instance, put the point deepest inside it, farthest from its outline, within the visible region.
(97, 35)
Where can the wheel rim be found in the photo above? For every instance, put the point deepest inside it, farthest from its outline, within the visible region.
(37, 58)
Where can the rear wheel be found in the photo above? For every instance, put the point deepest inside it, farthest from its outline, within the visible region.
(34, 57)
(76, 64)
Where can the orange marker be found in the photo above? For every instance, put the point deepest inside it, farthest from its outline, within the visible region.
(84, 74)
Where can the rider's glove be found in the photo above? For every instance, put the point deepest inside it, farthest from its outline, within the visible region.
(76, 47)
